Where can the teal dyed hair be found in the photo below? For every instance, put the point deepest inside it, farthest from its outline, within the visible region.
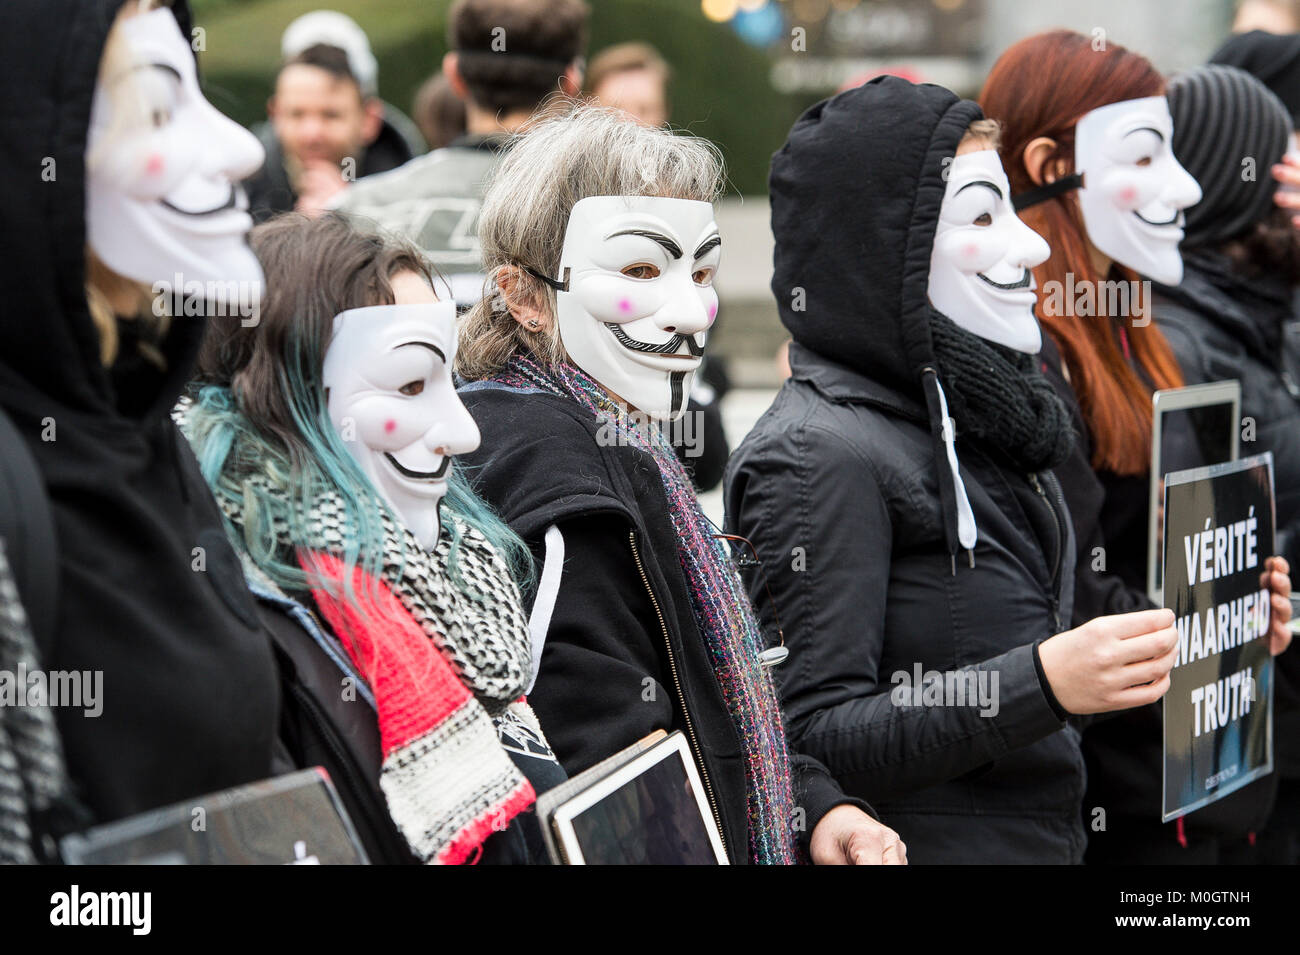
(259, 408)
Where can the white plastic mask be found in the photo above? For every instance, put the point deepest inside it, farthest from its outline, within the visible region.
(1134, 190)
(980, 265)
(162, 170)
(387, 373)
(640, 297)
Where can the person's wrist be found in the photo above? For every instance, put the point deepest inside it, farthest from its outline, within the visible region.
(1061, 712)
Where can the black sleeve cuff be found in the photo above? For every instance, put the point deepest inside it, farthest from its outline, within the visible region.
(817, 793)
(1052, 701)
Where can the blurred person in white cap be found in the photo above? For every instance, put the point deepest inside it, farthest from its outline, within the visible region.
(326, 124)
(506, 59)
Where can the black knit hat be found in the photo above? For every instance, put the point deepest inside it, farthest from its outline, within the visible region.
(1272, 58)
(1228, 130)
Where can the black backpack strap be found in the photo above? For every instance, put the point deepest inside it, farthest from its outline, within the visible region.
(27, 527)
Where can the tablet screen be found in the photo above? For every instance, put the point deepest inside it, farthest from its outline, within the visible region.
(1193, 427)
(653, 819)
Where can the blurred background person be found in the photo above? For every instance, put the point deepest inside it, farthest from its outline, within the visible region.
(326, 123)
(507, 58)
(632, 77)
(439, 112)
(1225, 320)
(1270, 16)
(1107, 365)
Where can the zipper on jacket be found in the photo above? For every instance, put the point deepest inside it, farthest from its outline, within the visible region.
(1061, 538)
(677, 685)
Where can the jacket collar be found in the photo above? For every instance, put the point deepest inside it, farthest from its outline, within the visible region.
(843, 385)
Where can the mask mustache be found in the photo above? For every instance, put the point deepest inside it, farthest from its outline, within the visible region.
(1022, 282)
(232, 202)
(669, 347)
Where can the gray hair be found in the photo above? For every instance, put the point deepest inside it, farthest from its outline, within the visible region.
(579, 152)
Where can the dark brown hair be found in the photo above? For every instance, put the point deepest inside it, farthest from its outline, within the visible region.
(1271, 247)
(332, 59)
(315, 268)
(438, 111)
(512, 53)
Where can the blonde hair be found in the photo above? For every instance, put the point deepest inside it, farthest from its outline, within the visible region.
(985, 132)
(567, 156)
(104, 287)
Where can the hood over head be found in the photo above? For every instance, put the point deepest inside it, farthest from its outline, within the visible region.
(856, 192)
(856, 197)
(49, 347)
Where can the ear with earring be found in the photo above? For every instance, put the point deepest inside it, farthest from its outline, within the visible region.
(522, 305)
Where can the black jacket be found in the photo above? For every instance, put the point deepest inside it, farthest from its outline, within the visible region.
(623, 655)
(149, 590)
(843, 488)
(1223, 325)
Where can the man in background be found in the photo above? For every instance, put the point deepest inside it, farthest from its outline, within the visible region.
(632, 77)
(507, 57)
(326, 123)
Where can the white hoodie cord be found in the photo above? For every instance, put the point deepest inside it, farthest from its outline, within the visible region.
(967, 534)
(548, 589)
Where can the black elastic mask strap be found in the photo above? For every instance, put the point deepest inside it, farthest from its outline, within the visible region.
(1034, 196)
(553, 283)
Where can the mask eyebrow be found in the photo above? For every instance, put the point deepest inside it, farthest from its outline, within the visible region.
(1145, 129)
(981, 182)
(708, 245)
(671, 247)
(433, 348)
(165, 67)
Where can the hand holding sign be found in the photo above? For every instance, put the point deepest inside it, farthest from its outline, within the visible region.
(1111, 663)
(1277, 578)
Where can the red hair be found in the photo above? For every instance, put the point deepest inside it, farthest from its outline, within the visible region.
(1042, 86)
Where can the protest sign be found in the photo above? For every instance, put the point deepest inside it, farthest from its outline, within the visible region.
(1218, 713)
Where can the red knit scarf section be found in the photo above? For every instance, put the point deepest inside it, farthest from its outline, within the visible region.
(449, 786)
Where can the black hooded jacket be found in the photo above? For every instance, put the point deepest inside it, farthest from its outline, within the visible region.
(845, 489)
(150, 592)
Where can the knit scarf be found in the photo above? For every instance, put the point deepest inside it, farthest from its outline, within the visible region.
(1000, 396)
(720, 606)
(442, 658)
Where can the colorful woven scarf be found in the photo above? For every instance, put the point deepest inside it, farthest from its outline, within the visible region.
(721, 607)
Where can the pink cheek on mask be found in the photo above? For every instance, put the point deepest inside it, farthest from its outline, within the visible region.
(713, 312)
(1128, 195)
(390, 426)
(154, 165)
(625, 306)
(970, 252)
